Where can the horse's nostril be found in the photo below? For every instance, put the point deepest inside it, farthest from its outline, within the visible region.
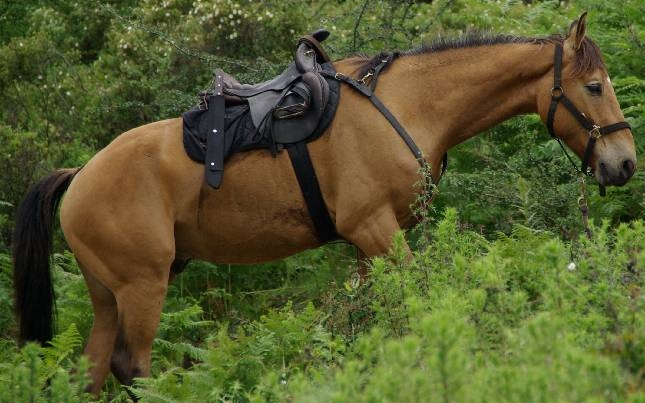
(603, 167)
(628, 167)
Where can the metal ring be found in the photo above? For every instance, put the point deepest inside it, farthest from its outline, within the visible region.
(559, 90)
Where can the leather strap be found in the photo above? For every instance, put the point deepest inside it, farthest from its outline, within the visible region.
(308, 181)
(214, 159)
(372, 74)
(405, 136)
(367, 91)
(300, 159)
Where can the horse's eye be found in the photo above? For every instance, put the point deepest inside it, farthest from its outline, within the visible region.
(594, 88)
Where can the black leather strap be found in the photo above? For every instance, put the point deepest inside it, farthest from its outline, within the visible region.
(306, 175)
(614, 127)
(375, 71)
(214, 159)
(367, 91)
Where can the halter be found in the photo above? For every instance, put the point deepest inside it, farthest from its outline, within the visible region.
(595, 131)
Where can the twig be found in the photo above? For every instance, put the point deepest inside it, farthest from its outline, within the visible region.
(357, 23)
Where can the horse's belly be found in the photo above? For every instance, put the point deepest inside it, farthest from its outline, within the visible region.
(257, 215)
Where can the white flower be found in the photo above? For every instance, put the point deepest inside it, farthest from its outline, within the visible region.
(571, 266)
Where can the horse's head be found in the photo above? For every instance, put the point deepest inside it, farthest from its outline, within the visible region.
(582, 109)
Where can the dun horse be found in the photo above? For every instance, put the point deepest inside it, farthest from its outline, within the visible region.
(141, 205)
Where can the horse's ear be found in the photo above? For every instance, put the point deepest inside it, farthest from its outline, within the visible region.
(577, 32)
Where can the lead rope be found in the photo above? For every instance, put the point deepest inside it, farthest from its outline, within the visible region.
(583, 205)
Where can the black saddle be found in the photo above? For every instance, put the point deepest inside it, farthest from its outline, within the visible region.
(295, 106)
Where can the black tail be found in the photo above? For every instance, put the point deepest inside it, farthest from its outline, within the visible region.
(32, 247)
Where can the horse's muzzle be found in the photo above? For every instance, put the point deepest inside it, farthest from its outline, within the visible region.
(615, 173)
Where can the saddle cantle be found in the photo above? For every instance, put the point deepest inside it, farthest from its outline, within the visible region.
(295, 106)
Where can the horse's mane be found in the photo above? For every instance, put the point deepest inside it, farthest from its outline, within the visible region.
(588, 57)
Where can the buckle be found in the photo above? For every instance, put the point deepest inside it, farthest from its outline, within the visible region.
(366, 76)
(595, 132)
(339, 76)
(557, 92)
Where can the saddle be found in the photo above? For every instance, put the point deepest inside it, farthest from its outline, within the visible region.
(293, 107)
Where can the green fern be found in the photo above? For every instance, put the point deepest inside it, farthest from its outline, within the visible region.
(60, 349)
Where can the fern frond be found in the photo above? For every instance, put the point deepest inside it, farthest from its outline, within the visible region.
(59, 349)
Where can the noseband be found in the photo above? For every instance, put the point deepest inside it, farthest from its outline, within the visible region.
(595, 131)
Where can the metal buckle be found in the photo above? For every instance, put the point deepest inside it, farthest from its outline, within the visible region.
(339, 76)
(366, 76)
(595, 132)
(557, 92)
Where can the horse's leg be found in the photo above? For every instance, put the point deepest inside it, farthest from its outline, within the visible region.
(122, 358)
(139, 304)
(372, 235)
(126, 260)
(101, 341)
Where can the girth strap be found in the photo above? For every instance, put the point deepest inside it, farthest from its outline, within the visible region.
(306, 175)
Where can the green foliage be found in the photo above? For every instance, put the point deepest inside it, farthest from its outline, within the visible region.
(42, 374)
(502, 300)
(523, 317)
(6, 300)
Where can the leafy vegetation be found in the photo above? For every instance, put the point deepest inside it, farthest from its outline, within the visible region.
(504, 301)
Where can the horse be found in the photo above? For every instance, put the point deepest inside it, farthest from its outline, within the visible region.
(140, 206)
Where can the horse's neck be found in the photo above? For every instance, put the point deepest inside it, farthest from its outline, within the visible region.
(456, 94)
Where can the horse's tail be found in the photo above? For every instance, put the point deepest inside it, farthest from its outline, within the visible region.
(32, 247)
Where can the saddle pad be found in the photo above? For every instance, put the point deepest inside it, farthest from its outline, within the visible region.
(239, 132)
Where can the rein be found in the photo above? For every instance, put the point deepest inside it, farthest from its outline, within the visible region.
(595, 131)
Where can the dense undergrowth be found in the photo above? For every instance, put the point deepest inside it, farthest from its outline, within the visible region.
(503, 301)
(523, 317)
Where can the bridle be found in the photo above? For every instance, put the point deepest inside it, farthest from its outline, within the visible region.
(595, 131)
